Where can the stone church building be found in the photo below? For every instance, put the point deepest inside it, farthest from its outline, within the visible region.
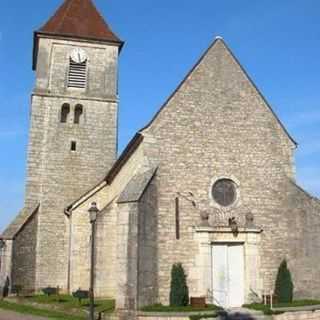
(209, 182)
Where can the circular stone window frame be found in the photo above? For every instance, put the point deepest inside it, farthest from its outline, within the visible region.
(236, 203)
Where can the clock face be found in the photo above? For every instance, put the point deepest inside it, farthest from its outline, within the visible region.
(78, 55)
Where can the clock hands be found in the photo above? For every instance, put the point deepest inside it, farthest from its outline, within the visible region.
(78, 55)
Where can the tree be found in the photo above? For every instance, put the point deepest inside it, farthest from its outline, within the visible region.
(284, 284)
(179, 292)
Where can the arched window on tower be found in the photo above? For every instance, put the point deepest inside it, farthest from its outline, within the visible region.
(78, 112)
(65, 110)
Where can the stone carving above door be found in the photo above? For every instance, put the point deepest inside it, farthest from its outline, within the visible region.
(214, 217)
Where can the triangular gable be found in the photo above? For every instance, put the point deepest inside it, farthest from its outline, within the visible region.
(215, 42)
(138, 138)
(18, 223)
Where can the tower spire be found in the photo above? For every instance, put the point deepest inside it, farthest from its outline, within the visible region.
(78, 19)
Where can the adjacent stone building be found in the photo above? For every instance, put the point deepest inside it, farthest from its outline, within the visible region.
(209, 182)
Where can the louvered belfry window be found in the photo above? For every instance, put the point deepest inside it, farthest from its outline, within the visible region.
(77, 77)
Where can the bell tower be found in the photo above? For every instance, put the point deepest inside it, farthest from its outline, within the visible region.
(73, 131)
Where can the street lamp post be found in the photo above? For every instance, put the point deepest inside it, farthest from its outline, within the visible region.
(93, 212)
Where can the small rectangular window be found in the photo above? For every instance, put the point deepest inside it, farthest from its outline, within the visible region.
(73, 146)
(77, 77)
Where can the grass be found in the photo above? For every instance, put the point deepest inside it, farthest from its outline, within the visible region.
(162, 308)
(298, 303)
(25, 309)
(268, 311)
(69, 303)
(55, 307)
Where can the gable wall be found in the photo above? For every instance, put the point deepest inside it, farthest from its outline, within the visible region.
(216, 125)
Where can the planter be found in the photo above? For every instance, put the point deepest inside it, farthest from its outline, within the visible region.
(198, 302)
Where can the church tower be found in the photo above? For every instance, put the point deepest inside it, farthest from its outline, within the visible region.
(73, 132)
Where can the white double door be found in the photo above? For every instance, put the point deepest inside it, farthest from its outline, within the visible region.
(228, 274)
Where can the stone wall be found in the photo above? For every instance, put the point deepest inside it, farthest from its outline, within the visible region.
(6, 264)
(303, 214)
(57, 175)
(147, 251)
(217, 125)
(299, 315)
(24, 255)
(108, 231)
(53, 64)
(127, 256)
(105, 252)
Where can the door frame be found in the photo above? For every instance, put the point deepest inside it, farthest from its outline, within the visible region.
(205, 237)
(228, 243)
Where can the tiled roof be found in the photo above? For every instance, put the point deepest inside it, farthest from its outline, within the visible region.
(136, 187)
(79, 19)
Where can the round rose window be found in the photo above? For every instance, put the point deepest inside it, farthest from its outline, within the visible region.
(224, 192)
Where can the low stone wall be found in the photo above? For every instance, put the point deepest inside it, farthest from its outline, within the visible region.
(148, 316)
(299, 315)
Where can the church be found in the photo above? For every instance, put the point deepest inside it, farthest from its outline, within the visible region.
(209, 182)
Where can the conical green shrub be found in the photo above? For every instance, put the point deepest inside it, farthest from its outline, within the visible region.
(179, 292)
(284, 284)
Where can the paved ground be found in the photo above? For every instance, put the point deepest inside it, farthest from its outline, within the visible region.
(8, 315)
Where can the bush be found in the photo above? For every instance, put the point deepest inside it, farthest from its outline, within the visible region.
(179, 292)
(284, 285)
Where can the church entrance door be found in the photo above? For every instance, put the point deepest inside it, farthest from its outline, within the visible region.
(228, 274)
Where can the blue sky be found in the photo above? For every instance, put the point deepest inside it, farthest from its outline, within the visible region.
(278, 43)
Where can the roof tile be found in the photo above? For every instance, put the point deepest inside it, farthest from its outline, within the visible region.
(80, 19)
